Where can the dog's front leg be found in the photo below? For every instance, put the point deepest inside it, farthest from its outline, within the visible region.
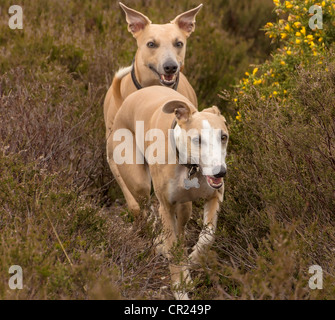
(171, 248)
(206, 237)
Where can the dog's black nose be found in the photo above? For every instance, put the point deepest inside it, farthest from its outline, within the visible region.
(170, 67)
(221, 171)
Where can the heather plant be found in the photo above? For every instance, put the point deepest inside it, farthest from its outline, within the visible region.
(278, 215)
(62, 216)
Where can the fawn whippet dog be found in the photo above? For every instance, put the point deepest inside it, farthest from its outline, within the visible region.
(159, 59)
(161, 129)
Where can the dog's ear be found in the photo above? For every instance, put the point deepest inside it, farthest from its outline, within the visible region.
(136, 20)
(182, 110)
(215, 110)
(186, 20)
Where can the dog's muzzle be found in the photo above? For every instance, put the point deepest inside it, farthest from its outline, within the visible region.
(171, 76)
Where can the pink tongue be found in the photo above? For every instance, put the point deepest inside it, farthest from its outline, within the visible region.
(168, 77)
(214, 180)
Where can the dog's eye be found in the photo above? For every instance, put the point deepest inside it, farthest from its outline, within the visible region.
(196, 140)
(151, 44)
(224, 138)
(179, 44)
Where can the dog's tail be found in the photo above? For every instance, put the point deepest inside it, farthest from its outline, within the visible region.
(114, 92)
(117, 83)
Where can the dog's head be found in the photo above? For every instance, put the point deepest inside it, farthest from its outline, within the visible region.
(201, 138)
(161, 47)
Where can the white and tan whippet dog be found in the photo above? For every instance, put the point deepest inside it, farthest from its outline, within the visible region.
(155, 129)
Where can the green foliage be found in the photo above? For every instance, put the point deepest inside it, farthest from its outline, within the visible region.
(299, 46)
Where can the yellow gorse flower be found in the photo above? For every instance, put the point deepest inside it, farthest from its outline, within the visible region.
(298, 43)
(239, 116)
(288, 4)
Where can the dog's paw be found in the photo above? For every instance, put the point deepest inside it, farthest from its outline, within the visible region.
(160, 248)
(180, 295)
(181, 287)
(194, 257)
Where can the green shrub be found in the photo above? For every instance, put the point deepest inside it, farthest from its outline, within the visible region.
(299, 46)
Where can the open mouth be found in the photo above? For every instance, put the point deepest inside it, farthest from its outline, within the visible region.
(215, 183)
(165, 79)
(168, 79)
